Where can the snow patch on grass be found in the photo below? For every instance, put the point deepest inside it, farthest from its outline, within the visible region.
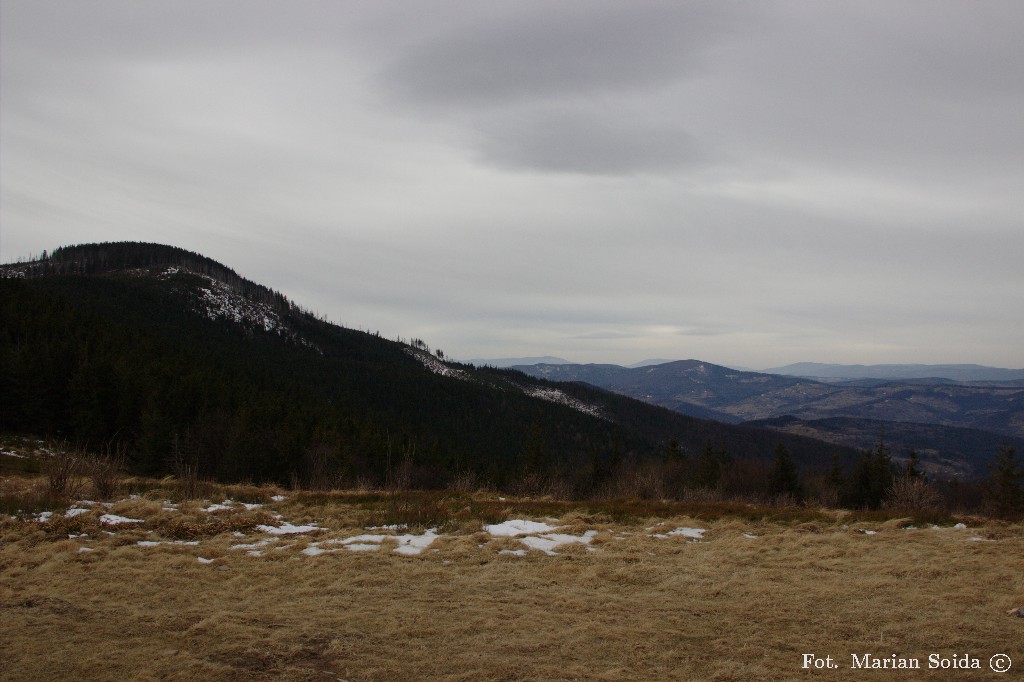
(408, 544)
(287, 528)
(518, 527)
(115, 520)
(537, 535)
(548, 543)
(692, 533)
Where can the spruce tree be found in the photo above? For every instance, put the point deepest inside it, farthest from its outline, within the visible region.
(1004, 496)
(785, 477)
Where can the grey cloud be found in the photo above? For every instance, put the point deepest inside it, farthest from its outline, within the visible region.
(578, 141)
(752, 183)
(567, 87)
(558, 50)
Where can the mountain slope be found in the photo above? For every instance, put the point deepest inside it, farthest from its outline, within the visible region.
(178, 359)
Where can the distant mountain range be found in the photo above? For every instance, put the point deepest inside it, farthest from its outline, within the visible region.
(892, 409)
(956, 373)
(513, 362)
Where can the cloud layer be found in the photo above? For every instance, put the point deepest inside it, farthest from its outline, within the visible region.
(751, 183)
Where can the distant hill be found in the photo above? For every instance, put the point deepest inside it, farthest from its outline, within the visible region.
(957, 373)
(710, 391)
(177, 358)
(512, 362)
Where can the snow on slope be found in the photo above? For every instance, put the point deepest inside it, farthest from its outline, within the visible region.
(435, 365)
(220, 301)
(555, 396)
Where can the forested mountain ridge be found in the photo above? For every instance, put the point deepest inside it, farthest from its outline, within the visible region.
(180, 361)
(703, 389)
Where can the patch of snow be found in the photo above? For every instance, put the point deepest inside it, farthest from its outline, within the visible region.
(203, 560)
(750, 536)
(549, 542)
(362, 547)
(43, 517)
(975, 538)
(518, 527)
(411, 545)
(114, 520)
(255, 545)
(288, 529)
(85, 549)
(554, 395)
(155, 543)
(408, 545)
(75, 511)
(513, 552)
(278, 498)
(436, 365)
(692, 533)
(314, 550)
(223, 506)
(960, 526)
(251, 507)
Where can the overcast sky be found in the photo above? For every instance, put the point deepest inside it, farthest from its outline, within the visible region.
(746, 183)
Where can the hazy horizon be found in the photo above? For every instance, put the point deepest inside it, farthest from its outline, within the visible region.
(750, 184)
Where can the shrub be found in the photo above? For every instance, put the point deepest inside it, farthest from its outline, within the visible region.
(104, 471)
(64, 469)
(910, 493)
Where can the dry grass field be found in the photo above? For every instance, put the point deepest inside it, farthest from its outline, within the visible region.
(263, 583)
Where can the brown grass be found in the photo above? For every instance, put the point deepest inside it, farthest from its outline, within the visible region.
(637, 607)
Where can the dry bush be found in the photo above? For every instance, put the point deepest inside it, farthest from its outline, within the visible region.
(914, 495)
(104, 471)
(466, 482)
(644, 481)
(415, 509)
(64, 470)
(702, 495)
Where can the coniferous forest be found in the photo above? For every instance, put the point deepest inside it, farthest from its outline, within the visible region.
(124, 347)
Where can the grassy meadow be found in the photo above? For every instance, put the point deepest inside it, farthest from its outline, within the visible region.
(251, 583)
